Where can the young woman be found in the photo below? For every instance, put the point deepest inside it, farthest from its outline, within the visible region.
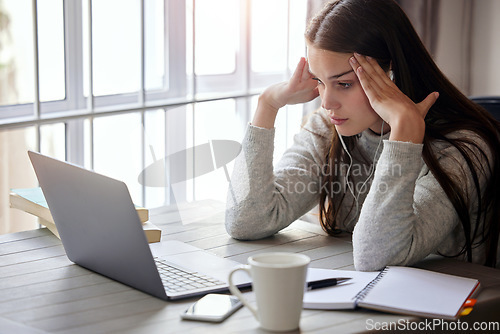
(396, 154)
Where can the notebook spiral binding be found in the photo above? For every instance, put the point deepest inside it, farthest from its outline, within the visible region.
(360, 295)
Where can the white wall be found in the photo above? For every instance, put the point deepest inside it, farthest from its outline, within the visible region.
(485, 66)
(476, 71)
(451, 46)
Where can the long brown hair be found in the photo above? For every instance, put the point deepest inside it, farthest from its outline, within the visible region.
(380, 29)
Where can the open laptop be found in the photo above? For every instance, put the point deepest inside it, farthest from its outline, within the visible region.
(101, 231)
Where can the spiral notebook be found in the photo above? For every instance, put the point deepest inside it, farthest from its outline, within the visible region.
(403, 290)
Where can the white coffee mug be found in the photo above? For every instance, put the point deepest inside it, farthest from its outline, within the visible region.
(278, 281)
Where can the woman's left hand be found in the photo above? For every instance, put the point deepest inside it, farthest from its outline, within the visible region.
(405, 117)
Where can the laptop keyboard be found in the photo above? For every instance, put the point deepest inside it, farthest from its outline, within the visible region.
(177, 280)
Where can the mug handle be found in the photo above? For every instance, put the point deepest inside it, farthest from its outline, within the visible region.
(235, 291)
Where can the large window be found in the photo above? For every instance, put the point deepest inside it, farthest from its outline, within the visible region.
(115, 85)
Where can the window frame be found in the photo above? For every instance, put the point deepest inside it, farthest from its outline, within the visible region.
(188, 89)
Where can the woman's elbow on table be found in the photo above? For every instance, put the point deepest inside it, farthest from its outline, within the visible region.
(375, 258)
(368, 263)
(367, 255)
(236, 232)
(243, 229)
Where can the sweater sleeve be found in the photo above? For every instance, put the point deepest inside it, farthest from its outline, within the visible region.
(407, 215)
(262, 200)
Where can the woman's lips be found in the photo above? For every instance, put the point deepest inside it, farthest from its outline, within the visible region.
(338, 121)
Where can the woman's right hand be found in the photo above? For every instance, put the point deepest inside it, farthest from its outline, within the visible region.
(300, 88)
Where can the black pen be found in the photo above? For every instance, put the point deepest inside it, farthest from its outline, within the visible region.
(324, 283)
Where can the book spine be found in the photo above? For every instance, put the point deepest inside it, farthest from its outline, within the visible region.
(360, 295)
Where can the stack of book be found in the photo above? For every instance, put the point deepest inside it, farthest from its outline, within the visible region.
(31, 200)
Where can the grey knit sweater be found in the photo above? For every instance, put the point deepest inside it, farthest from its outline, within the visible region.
(402, 215)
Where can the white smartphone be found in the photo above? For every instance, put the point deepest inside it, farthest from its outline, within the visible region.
(213, 308)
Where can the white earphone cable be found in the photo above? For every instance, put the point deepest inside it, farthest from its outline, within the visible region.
(372, 168)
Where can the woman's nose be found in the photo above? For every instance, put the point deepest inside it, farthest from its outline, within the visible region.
(329, 102)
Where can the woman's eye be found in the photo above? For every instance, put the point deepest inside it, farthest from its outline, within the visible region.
(319, 81)
(345, 84)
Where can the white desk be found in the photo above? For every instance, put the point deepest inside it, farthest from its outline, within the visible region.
(42, 291)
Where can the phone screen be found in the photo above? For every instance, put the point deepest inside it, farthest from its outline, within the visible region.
(212, 307)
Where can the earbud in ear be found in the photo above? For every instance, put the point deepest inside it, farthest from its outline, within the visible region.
(391, 75)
